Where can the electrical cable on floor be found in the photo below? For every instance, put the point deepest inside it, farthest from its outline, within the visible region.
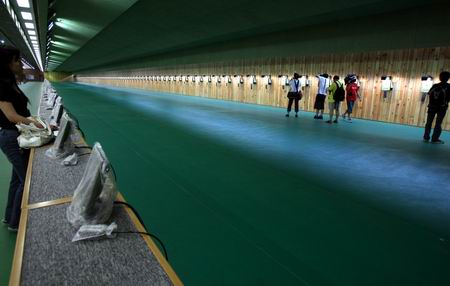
(115, 176)
(83, 154)
(134, 210)
(82, 147)
(152, 236)
(145, 228)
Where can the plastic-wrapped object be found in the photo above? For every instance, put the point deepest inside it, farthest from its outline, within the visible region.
(32, 136)
(70, 160)
(63, 145)
(94, 196)
(57, 112)
(95, 231)
(52, 100)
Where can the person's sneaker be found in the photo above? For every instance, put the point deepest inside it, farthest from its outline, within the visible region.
(437, 142)
(349, 120)
(296, 115)
(426, 140)
(12, 228)
(320, 117)
(343, 117)
(335, 121)
(287, 115)
(316, 117)
(4, 221)
(329, 121)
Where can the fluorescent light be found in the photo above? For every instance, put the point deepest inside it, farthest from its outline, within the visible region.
(27, 15)
(29, 25)
(23, 3)
(31, 32)
(34, 41)
(33, 38)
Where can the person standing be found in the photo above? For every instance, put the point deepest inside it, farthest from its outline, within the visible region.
(336, 94)
(439, 98)
(319, 103)
(13, 110)
(294, 94)
(352, 94)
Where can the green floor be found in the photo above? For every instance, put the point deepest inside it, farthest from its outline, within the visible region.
(8, 239)
(241, 195)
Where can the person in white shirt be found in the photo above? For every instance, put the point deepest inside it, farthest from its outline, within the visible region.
(319, 103)
(294, 94)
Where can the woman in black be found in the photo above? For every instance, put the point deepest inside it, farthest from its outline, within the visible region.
(13, 110)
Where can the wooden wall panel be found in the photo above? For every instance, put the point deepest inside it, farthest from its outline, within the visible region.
(58, 76)
(402, 105)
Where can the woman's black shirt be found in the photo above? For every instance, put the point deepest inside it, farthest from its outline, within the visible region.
(18, 100)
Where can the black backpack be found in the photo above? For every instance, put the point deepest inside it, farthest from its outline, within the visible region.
(339, 94)
(438, 95)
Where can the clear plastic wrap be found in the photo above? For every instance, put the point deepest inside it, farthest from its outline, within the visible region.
(52, 99)
(32, 136)
(57, 112)
(94, 196)
(63, 144)
(95, 231)
(70, 160)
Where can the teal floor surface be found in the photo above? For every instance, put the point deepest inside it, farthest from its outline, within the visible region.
(241, 195)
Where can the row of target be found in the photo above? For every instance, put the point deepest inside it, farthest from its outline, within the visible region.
(239, 79)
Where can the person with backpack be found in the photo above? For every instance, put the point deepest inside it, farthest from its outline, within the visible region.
(439, 95)
(336, 95)
(319, 103)
(352, 93)
(294, 94)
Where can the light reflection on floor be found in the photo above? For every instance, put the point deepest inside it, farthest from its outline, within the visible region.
(385, 164)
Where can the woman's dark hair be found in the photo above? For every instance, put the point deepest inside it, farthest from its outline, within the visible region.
(7, 55)
(444, 76)
(336, 77)
(296, 76)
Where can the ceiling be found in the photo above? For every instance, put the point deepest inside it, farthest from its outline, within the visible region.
(79, 21)
(92, 33)
(12, 37)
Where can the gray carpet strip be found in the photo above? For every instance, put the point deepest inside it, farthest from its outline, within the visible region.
(50, 258)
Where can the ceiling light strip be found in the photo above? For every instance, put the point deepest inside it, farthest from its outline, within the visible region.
(26, 16)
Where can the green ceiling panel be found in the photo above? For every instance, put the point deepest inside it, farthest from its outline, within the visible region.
(79, 21)
(96, 36)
